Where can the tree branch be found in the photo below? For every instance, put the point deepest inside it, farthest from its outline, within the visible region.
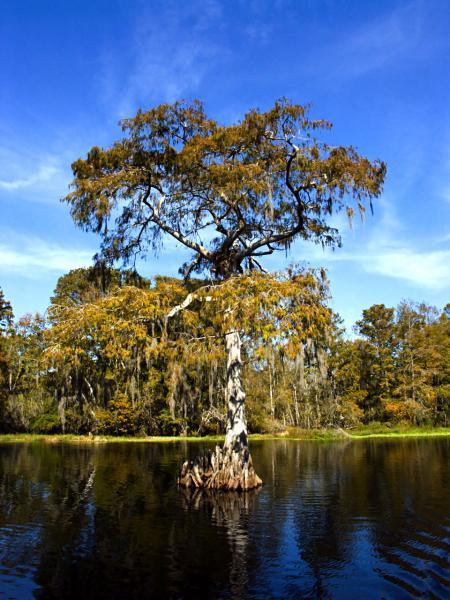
(167, 228)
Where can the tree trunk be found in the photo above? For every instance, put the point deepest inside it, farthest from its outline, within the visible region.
(230, 468)
(236, 437)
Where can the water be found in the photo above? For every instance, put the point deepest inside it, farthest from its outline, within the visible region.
(357, 519)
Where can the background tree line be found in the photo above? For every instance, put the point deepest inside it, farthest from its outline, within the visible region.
(96, 362)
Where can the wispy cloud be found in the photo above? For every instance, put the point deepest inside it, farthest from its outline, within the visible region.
(168, 58)
(31, 257)
(380, 42)
(423, 269)
(382, 246)
(386, 249)
(44, 173)
(391, 251)
(394, 38)
(445, 193)
(37, 178)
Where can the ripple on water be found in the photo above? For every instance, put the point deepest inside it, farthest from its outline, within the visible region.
(332, 521)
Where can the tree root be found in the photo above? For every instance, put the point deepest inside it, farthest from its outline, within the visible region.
(220, 470)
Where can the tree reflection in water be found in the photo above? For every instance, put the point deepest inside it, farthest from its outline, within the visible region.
(230, 511)
(331, 520)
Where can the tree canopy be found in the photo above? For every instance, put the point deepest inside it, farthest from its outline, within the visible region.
(6, 313)
(82, 285)
(230, 193)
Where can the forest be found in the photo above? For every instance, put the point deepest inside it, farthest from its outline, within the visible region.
(103, 360)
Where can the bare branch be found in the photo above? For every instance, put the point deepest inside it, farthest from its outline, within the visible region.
(168, 229)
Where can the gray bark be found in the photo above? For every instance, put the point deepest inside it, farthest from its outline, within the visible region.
(230, 468)
(236, 436)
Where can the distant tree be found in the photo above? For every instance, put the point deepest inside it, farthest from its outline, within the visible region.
(6, 313)
(439, 364)
(346, 366)
(423, 372)
(377, 350)
(411, 391)
(28, 395)
(90, 283)
(230, 194)
(6, 323)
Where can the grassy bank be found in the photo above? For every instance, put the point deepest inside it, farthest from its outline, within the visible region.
(100, 439)
(322, 435)
(383, 430)
(365, 432)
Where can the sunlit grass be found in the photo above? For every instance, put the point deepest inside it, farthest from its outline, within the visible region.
(99, 439)
(323, 435)
(383, 430)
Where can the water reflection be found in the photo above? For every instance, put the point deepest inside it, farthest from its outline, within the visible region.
(332, 520)
(231, 512)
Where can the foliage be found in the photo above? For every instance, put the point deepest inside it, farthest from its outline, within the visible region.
(115, 365)
(124, 343)
(6, 313)
(46, 423)
(6, 321)
(80, 286)
(377, 351)
(230, 194)
(169, 425)
(120, 418)
(259, 184)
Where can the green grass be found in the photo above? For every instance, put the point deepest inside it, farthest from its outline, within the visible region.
(296, 434)
(374, 430)
(383, 430)
(100, 439)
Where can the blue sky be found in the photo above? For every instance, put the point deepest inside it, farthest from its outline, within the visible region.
(378, 69)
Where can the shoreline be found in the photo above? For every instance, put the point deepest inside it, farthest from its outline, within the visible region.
(325, 435)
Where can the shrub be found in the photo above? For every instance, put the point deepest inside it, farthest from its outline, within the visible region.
(349, 414)
(169, 425)
(119, 419)
(213, 422)
(406, 410)
(46, 423)
(259, 422)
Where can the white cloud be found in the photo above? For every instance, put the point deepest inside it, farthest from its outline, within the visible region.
(426, 269)
(44, 173)
(445, 194)
(31, 257)
(392, 39)
(168, 57)
(385, 249)
(37, 177)
(390, 251)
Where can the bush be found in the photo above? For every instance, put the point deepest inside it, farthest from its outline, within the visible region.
(349, 414)
(406, 410)
(46, 423)
(259, 422)
(169, 425)
(119, 419)
(213, 422)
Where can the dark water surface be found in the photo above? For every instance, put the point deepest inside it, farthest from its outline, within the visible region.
(357, 519)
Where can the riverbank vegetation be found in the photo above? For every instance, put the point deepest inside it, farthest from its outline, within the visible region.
(292, 434)
(89, 365)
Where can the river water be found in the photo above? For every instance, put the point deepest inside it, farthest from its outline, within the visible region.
(356, 519)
